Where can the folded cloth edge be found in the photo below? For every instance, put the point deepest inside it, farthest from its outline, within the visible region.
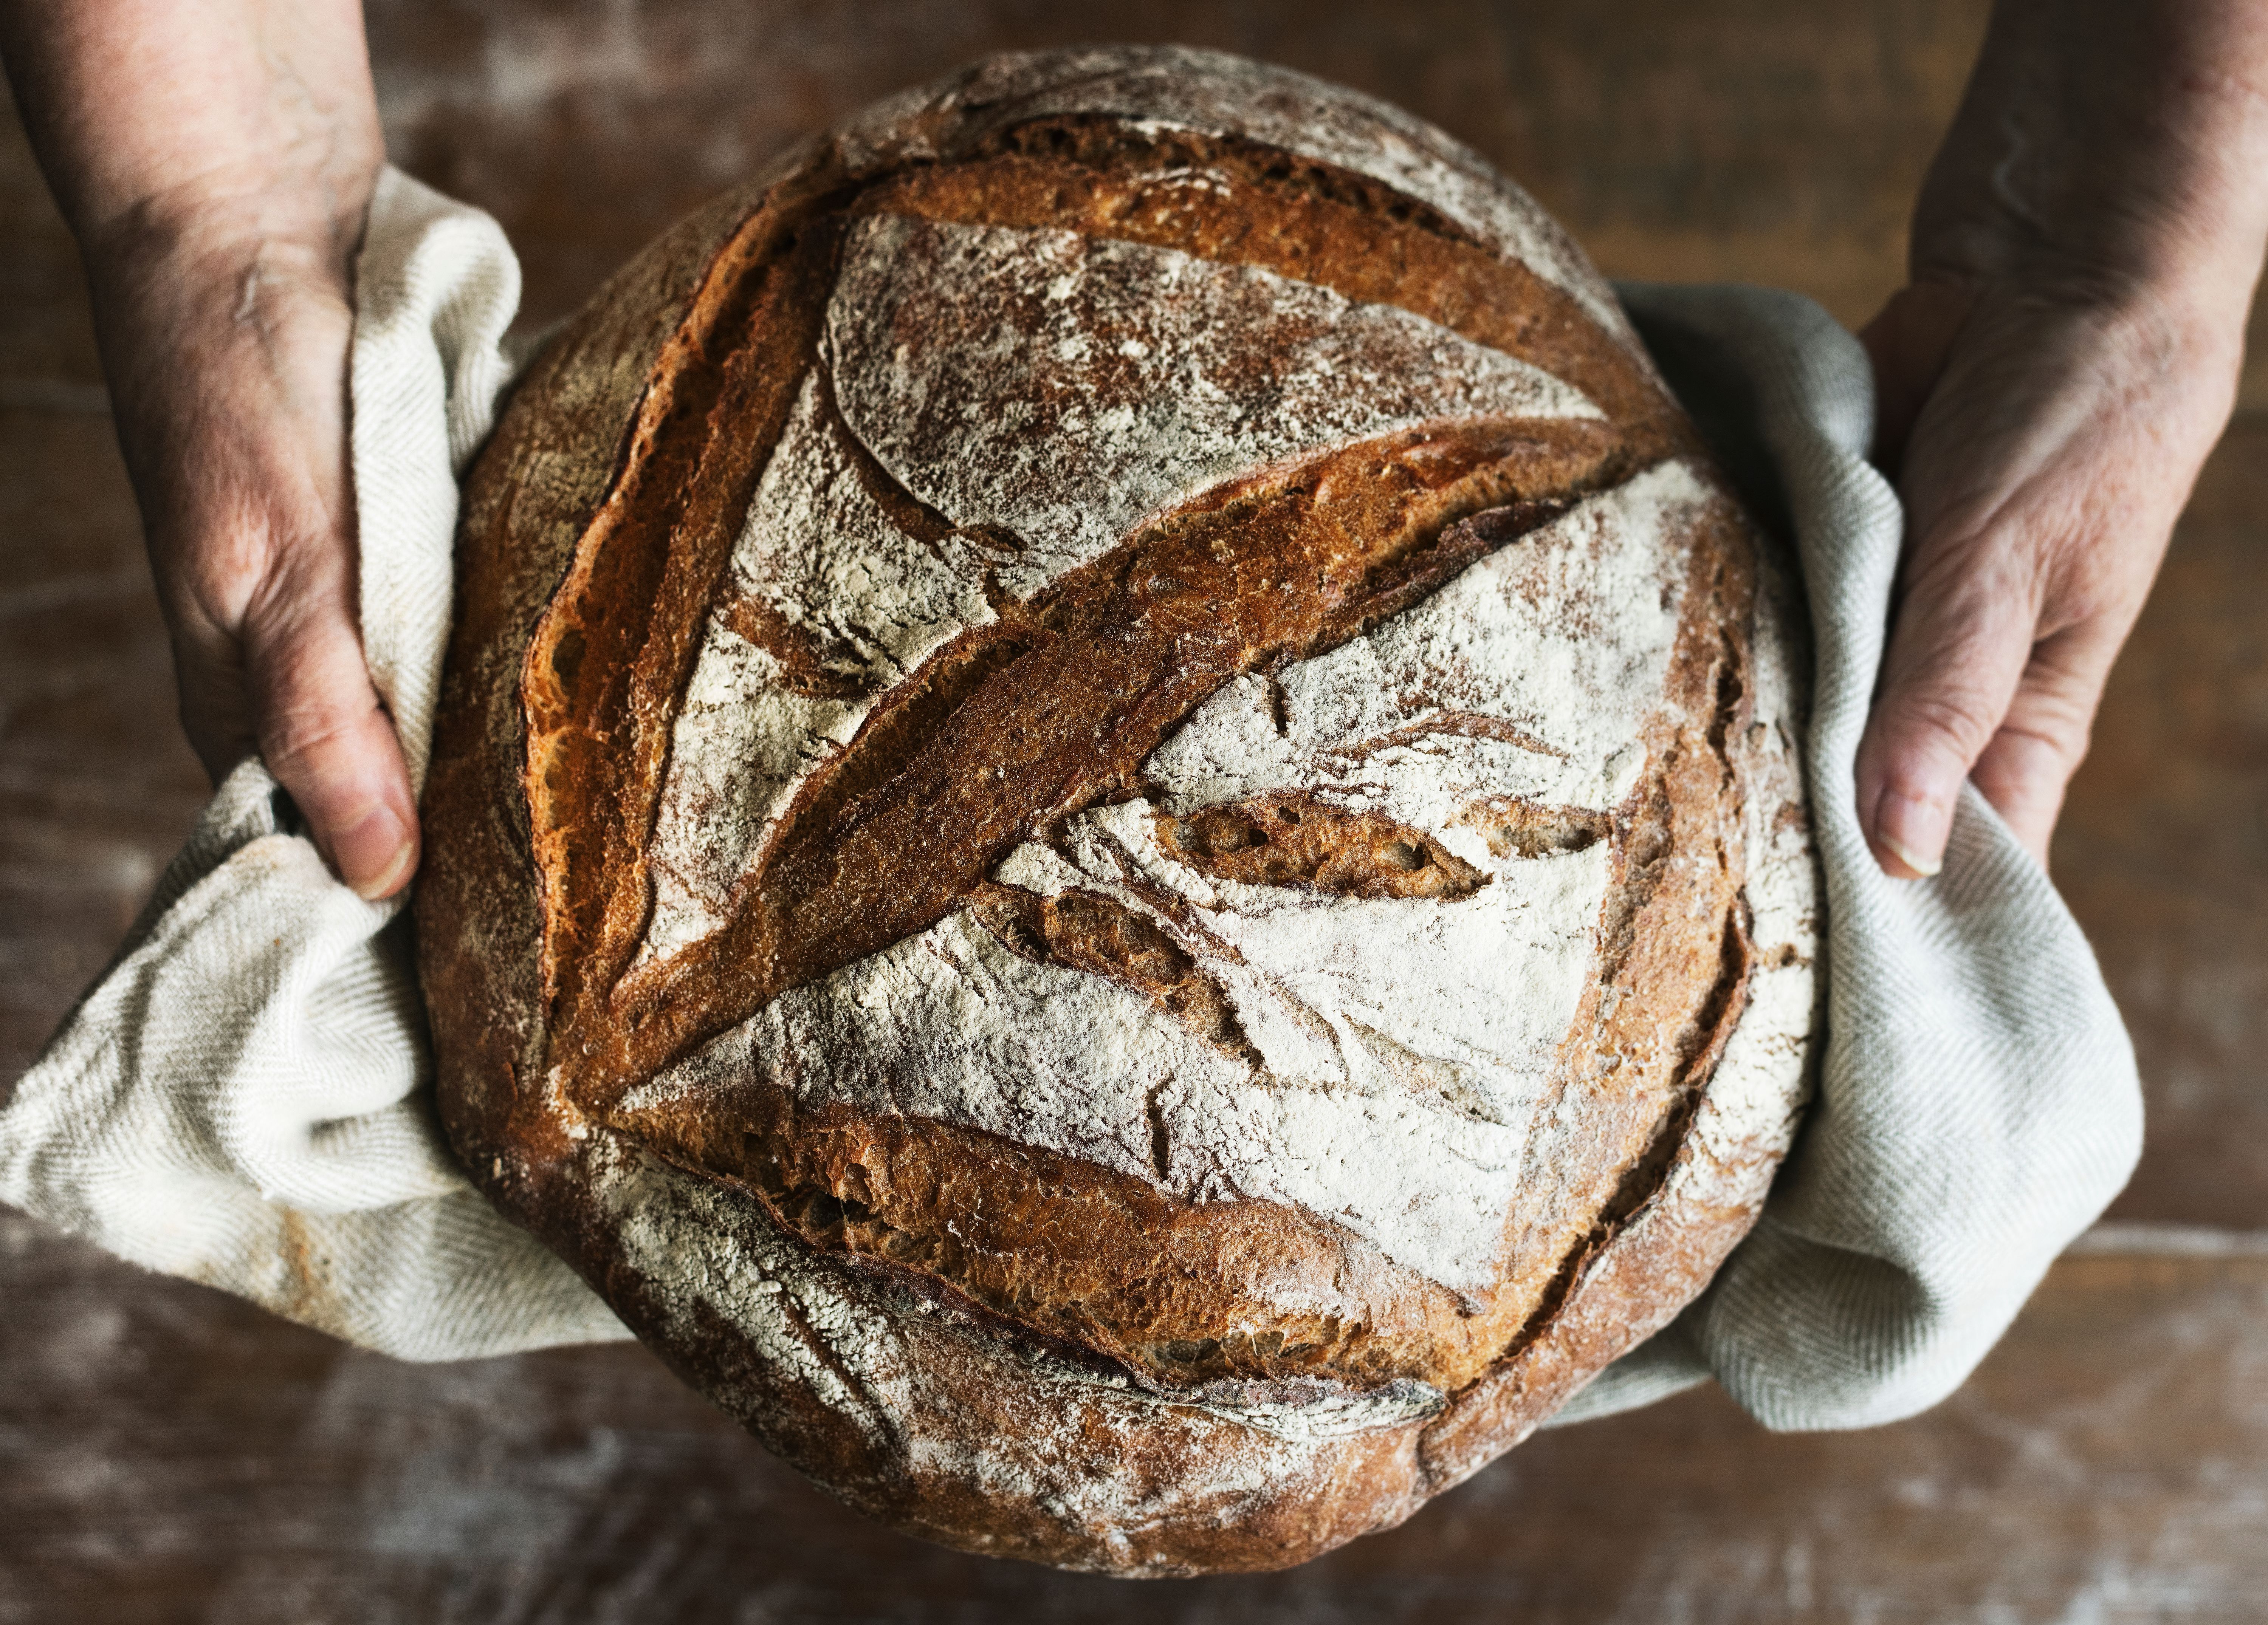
(1977, 1104)
(248, 1105)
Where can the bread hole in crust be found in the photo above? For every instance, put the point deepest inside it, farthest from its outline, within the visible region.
(1299, 841)
(567, 657)
(1525, 829)
(1097, 934)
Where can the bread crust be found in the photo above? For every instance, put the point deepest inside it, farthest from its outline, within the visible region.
(982, 1339)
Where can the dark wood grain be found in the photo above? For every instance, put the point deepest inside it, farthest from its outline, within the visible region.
(166, 1453)
(175, 1455)
(97, 785)
(2163, 850)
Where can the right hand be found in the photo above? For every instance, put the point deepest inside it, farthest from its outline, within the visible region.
(2084, 254)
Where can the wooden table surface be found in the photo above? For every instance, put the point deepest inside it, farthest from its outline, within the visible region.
(167, 1453)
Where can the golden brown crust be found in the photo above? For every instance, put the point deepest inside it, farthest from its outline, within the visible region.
(596, 527)
(535, 490)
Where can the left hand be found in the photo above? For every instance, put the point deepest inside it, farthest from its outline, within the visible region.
(216, 158)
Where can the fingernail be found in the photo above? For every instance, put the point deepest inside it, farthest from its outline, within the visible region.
(376, 856)
(1913, 829)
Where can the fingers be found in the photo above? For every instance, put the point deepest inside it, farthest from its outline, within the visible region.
(284, 677)
(1970, 689)
(279, 672)
(325, 735)
(1952, 711)
(229, 382)
(1962, 639)
(2056, 443)
(2039, 745)
(1957, 652)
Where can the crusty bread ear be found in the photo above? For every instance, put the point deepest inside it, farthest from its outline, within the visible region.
(1115, 835)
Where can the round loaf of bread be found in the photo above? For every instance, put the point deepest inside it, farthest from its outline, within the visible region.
(1116, 834)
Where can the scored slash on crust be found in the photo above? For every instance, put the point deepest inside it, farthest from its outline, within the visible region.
(1060, 677)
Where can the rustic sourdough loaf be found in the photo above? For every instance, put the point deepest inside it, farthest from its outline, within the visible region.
(1115, 835)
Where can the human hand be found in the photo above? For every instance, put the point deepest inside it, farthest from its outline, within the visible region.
(216, 158)
(227, 354)
(2084, 254)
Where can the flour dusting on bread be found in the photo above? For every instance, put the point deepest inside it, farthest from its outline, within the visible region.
(1125, 856)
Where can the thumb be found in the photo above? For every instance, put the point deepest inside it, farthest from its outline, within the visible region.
(1957, 652)
(328, 741)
